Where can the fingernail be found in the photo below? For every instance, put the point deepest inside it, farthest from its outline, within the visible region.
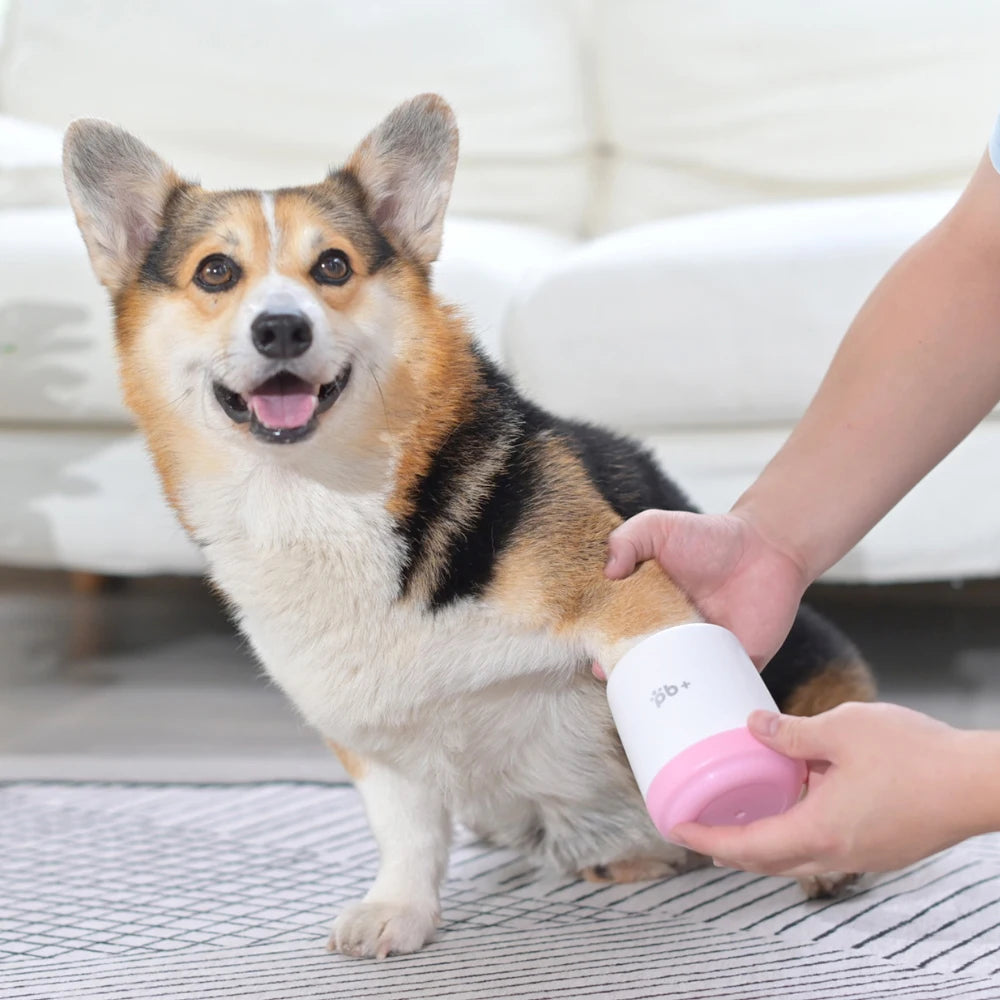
(717, 863)
(765, 723)
(677, 839)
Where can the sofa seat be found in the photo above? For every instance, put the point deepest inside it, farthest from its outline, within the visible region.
(87, 499)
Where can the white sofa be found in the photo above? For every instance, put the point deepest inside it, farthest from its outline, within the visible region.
(665, 215)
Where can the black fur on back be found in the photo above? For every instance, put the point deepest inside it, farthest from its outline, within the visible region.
(500, 443)
(497, 442)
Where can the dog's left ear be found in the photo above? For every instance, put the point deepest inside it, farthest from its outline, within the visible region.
(406, 167)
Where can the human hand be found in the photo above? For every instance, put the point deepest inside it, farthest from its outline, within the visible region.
(734, 576)
(887, 786)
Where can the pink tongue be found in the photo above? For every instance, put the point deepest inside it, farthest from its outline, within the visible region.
(283, 405)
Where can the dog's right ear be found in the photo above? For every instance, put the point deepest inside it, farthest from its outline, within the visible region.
(118, 188)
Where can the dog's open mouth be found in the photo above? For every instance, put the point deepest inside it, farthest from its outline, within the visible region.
(285, 408)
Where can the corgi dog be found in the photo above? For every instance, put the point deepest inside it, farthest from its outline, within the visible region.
(414, 550)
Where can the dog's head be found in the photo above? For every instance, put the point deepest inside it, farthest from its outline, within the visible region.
(261, 315)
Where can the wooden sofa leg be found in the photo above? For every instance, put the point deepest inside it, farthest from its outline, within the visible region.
(86, 635)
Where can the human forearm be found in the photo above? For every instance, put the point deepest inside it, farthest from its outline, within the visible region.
(919, 368)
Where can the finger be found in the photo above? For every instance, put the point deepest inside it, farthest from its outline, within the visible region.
(808, 868)
(782, 868)
(777, 843)
(794, 736)
(635, 541)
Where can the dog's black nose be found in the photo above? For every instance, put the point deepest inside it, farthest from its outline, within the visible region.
(281, 335)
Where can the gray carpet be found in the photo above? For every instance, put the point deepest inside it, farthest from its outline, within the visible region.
(214, 891)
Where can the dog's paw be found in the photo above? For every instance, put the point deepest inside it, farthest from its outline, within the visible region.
(635, 870)
(377, 930)
(827, 885)
(644, 869)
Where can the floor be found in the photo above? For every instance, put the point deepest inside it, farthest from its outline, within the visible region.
(147, 680)
(229, 891)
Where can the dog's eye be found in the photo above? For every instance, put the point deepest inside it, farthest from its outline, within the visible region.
(217, 272)
(332, 268)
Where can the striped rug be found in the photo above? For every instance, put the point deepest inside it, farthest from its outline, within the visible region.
(185, 891)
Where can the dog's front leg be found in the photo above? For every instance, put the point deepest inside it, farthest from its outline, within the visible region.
(411, 824)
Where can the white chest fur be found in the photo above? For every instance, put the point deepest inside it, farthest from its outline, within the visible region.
(314, 577)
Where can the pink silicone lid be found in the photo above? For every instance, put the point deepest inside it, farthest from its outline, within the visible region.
(729, 779)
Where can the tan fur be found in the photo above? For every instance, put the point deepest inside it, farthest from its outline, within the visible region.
(432, 386)
(177, 453)
(354, 765)
(839, 682)
(241, 231)
(303, 234)
(553, 574)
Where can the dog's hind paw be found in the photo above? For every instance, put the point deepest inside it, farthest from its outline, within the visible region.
(669, 862)
(827, 885)
(635, 870)
(378, 930)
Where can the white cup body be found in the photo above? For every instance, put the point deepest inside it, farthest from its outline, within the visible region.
(678, 687)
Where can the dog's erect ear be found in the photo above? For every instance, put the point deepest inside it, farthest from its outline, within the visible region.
(406, 167)
(118, 188)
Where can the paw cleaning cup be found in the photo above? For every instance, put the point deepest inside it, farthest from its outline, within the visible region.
(680, 700)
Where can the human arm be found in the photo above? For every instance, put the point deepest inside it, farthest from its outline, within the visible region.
(917, 370)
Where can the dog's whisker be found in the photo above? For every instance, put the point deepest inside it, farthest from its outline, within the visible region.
(378, 385)
(172, 404)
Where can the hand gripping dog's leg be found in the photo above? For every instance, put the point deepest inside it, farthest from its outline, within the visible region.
(402, 909)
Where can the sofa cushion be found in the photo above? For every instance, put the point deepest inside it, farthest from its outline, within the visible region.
(485, 265)
(705, 105)
(89, 499)
(945, 528)
(56, 353)
(723, 319)
(267, 95)
(30, 164)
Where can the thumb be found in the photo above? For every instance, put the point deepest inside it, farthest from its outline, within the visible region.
(794, 736)
(640, 538)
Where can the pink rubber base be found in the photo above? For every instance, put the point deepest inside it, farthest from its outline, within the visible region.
(729, 779)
